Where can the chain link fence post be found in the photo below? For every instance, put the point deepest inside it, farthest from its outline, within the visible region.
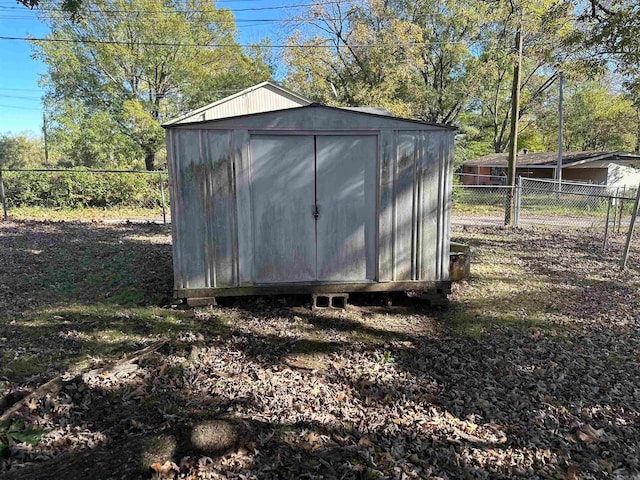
(4, 199)
(606, 225)
(632, 224)
(621, 207)
(164, 207)
(516, 221)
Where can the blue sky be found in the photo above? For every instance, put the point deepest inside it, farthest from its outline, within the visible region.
(20, 106)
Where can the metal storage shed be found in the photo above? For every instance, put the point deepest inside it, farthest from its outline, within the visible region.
(313, 199)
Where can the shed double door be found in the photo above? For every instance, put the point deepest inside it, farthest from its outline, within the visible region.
(314, 207)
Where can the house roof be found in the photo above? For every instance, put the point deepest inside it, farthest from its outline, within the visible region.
(550, 159)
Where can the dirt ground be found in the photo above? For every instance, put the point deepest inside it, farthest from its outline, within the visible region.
(532, 372)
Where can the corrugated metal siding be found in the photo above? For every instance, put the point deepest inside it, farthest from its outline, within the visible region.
(448, 201)
(429, 204)
(420, 202)
(203, 209)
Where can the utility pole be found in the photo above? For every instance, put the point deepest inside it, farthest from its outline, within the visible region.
(515, 120)
(46, 143)
(560, 132)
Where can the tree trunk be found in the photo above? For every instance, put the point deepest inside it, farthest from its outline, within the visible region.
(149, 159)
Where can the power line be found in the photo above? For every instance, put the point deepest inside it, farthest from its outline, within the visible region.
(237, 20)
(244, 9)
(168, 13)
(20, 108)
(20, 89)
(221, 45)
(20, 97)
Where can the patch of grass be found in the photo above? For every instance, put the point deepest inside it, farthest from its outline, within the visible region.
(85, 214)
(481, 206)
(474, 209)
(308, 346)
(18, 365)
(502, 291)
(73, 336)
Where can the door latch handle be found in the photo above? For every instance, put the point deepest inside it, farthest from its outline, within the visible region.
(316, 211)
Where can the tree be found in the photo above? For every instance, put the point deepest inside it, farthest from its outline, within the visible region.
(89, 138)
(411, 57)
(352, 55)
(549, 46)
(21, 151)
(140, 63)
(613, 28)
(71, 7)
(597, 119)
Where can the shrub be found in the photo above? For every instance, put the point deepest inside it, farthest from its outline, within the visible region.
(77, 189)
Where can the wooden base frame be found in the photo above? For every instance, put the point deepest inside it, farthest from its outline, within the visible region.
(442, 288)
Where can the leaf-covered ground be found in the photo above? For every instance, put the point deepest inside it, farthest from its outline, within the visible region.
(532, 372)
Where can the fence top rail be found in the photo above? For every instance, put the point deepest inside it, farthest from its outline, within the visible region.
(483, 186)
(534, 190)
(564, 182)
(68, 170)
(479, 175)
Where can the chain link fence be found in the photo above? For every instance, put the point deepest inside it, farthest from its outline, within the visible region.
(601, 211)
(577, 205)
(85, 195)
(479, 199)
(545, 203)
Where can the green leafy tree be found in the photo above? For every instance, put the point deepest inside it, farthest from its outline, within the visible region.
(69, 6)
(611, 29)
(410, 57)
(90, 138)
(21, 151)
(549, 46)
(597, 119)
(140, 63)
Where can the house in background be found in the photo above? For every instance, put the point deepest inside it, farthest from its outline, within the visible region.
(604, 168)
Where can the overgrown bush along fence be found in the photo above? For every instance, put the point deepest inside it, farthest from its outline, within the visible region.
(125, 194)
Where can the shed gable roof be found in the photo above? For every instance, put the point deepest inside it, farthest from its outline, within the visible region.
(315, 117)
(266, 96)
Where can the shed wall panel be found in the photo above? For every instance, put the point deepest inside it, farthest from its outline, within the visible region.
(429, 203)
(191, 241)
(346, 177)
(282, 194)
(385, 206)
(218, 199)
(404, 211)
(240, 153)
(256, 101)
(175, 194)
(204, 209)
(447, 160)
